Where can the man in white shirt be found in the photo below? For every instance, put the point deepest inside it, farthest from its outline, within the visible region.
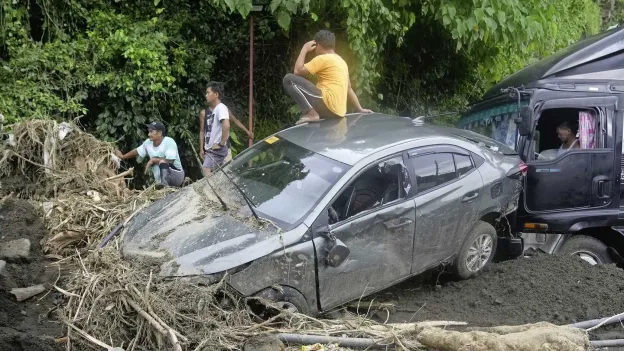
(164, 159)
(216, 129)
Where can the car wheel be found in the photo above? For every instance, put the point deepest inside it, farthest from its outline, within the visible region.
(477, 250)
(286, 298)
(588, 249)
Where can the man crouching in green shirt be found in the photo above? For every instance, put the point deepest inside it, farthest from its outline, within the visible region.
(164, 159)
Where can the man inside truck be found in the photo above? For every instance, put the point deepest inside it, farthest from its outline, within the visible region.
(567, 135)
(560, 130)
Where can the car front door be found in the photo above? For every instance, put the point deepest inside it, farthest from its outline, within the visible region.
(372, 217)
(448, 195)
(581, 178)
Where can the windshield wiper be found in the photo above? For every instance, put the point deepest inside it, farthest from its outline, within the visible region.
(245, 197)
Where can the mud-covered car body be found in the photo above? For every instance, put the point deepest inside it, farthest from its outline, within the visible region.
(386, 196)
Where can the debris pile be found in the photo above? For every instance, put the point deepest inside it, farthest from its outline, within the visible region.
(107, 302)
(72, 176)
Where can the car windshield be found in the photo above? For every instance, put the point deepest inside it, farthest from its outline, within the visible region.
(284, 181)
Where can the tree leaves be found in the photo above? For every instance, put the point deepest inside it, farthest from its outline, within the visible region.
(283, 19)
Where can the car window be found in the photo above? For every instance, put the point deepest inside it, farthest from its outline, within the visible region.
(463, 163)
(284, 181)
(383, 183)
(433, 170)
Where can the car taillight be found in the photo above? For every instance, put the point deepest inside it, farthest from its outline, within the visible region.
(518, 171)
(523, 168)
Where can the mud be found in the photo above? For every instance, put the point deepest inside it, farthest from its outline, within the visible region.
(30, 325)
(556, 289)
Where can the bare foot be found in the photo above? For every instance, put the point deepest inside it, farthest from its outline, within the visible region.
(310, 117)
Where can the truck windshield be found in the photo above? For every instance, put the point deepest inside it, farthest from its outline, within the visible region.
(284, 181)
(494, 122)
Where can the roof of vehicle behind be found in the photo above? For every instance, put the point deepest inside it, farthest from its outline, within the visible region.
(595, 58)
(356, 136)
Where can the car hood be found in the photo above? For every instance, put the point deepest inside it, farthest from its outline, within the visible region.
(188, 233)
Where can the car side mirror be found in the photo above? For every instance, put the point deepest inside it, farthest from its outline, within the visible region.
(337, 253)
(524, 121)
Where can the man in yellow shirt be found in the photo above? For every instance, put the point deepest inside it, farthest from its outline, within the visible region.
(332, 91)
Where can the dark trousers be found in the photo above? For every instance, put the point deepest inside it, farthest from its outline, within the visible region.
(306, 95)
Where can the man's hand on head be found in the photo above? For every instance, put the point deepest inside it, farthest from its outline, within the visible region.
(309, 46)
(119, 154)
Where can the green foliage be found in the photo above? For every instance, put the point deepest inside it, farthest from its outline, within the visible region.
(119, 64)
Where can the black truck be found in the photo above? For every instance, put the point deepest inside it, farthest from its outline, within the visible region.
(564, 117)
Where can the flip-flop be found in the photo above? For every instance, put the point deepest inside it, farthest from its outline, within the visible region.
(307, 120)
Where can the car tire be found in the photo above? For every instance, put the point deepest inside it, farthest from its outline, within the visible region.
(588, 249)
(477, 251)
(287, 298)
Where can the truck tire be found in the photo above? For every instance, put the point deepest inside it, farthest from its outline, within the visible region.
(587, 248)
(477, 251)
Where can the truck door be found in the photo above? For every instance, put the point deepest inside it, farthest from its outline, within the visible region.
(579, 177)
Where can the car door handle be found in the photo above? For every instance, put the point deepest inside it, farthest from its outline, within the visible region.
(470, 196)
(391, 225)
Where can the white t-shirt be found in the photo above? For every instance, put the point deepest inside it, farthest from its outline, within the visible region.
(167, 149)
(214, 119)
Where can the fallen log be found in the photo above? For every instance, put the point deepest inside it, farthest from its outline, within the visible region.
(299, 339)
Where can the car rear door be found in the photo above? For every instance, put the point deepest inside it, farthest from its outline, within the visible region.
(448, 196)
(376, 222)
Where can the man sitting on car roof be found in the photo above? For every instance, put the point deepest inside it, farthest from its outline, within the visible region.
(332, 91)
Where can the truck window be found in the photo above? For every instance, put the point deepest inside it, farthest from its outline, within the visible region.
(494, 122)
(563, 129)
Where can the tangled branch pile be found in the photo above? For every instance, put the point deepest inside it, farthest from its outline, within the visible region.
(74, 176)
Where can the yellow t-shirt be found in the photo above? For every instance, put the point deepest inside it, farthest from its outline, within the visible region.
(333, 81)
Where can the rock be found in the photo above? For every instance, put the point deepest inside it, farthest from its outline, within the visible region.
(22, 294)
(15, 250)
(264, 343)
(2, 265)
(498, 302)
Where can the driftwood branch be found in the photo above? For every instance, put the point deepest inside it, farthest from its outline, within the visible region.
(121, 175)
(167, 332)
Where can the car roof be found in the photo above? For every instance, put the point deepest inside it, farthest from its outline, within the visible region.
(356, 136)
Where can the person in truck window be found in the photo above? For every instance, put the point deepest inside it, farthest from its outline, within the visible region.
(330, 95)
(568, 138)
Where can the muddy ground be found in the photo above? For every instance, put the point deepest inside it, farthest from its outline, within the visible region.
(30, 325)
(556, 289)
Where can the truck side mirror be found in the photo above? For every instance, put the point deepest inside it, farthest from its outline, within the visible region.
(524, 121)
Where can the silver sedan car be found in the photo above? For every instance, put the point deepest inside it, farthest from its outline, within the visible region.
(323, 213)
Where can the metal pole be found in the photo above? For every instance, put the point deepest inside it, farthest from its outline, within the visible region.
(251, 55)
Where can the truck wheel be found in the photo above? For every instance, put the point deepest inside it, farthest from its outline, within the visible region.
(288, 299)
(587, 248)
(477, 250)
